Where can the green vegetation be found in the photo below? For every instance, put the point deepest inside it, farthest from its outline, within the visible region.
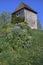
(16, 19)
(19, 45)
(39, 25)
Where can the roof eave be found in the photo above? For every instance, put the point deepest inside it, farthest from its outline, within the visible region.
(27, 9)
(31, 10)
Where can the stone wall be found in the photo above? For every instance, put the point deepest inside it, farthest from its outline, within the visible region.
(31, 18)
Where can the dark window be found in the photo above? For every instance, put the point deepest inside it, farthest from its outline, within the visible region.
(20, 13)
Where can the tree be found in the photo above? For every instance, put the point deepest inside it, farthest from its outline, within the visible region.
(5, 18)
(39, 25)
(17, 19)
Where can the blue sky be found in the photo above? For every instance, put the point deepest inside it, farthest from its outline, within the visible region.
(10, 6)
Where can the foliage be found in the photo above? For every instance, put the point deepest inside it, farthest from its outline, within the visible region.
(17, 19)
(5, 18)
(20, 46)
(39, 25)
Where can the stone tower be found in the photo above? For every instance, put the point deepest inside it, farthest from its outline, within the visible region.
(28, 13)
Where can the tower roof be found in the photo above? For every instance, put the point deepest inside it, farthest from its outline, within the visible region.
(22, 6)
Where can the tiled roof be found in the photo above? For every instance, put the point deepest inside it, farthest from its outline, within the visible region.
(23, 5)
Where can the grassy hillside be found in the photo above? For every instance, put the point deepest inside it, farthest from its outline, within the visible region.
(19, 45)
